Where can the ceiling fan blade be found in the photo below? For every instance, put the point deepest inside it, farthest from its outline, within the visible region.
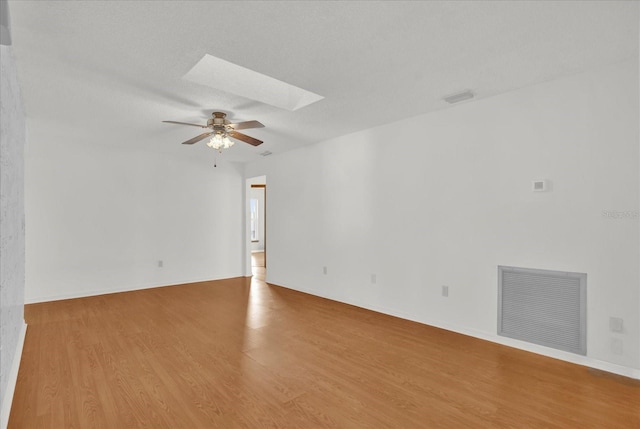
(185, 123)
(245, 138)
(196, 139)
(245, 125)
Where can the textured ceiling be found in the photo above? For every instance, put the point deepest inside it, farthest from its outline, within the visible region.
(109, 72)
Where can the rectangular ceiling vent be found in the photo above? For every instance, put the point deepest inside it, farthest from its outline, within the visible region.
(543, 307)
(458, 97)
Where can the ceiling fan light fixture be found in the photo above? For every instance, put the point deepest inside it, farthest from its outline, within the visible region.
(220, 141)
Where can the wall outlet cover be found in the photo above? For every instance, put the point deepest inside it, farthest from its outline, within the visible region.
(616, 324)
(539, 186)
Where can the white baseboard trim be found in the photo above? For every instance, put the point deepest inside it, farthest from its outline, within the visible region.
(86, 294)
(12, 379)
(541, 350)
(549, 352)
(494, 338)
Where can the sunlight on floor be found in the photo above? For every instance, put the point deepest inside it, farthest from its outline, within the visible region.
(257, 308)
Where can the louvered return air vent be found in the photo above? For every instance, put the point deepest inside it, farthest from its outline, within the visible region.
(543, 307)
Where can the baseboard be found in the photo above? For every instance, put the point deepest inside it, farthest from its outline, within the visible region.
(7, 398)
(86, 294)
(494, 338)
(549, 352)
(523, 345)
(541, 350)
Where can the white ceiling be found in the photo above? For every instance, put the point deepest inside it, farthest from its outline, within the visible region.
(108, 72)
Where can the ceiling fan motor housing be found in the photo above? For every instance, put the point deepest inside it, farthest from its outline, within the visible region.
(218, 118)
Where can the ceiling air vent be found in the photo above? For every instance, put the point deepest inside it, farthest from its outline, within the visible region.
(458, 97)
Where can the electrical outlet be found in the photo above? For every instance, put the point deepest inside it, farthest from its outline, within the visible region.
(373, 278)
(616, 324)
(539, 186)
(445, 291)
(160, 263)
(324, 270)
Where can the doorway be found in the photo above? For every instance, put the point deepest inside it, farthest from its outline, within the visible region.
(257, 227)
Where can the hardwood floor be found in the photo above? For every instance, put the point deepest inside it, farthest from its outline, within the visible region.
(257, 260)
(240, 353)
(258, 267)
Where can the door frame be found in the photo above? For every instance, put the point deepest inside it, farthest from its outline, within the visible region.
(246, 236)
(264, 211)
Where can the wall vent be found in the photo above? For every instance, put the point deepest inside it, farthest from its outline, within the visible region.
(543, 307)
(458, 97)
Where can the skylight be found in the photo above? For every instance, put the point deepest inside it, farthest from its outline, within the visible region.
(225, 76)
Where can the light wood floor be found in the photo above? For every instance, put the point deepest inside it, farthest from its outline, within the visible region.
(257, 260)
(242, 354)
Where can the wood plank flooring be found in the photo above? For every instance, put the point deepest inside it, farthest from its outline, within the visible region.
(240, 353)
(257, 260)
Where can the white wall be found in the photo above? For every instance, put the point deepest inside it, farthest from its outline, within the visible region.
(12, 240)
(444, 198)
(258, 194)
(99, 218)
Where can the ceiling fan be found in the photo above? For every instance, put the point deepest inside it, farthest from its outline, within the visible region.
(220, 129)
